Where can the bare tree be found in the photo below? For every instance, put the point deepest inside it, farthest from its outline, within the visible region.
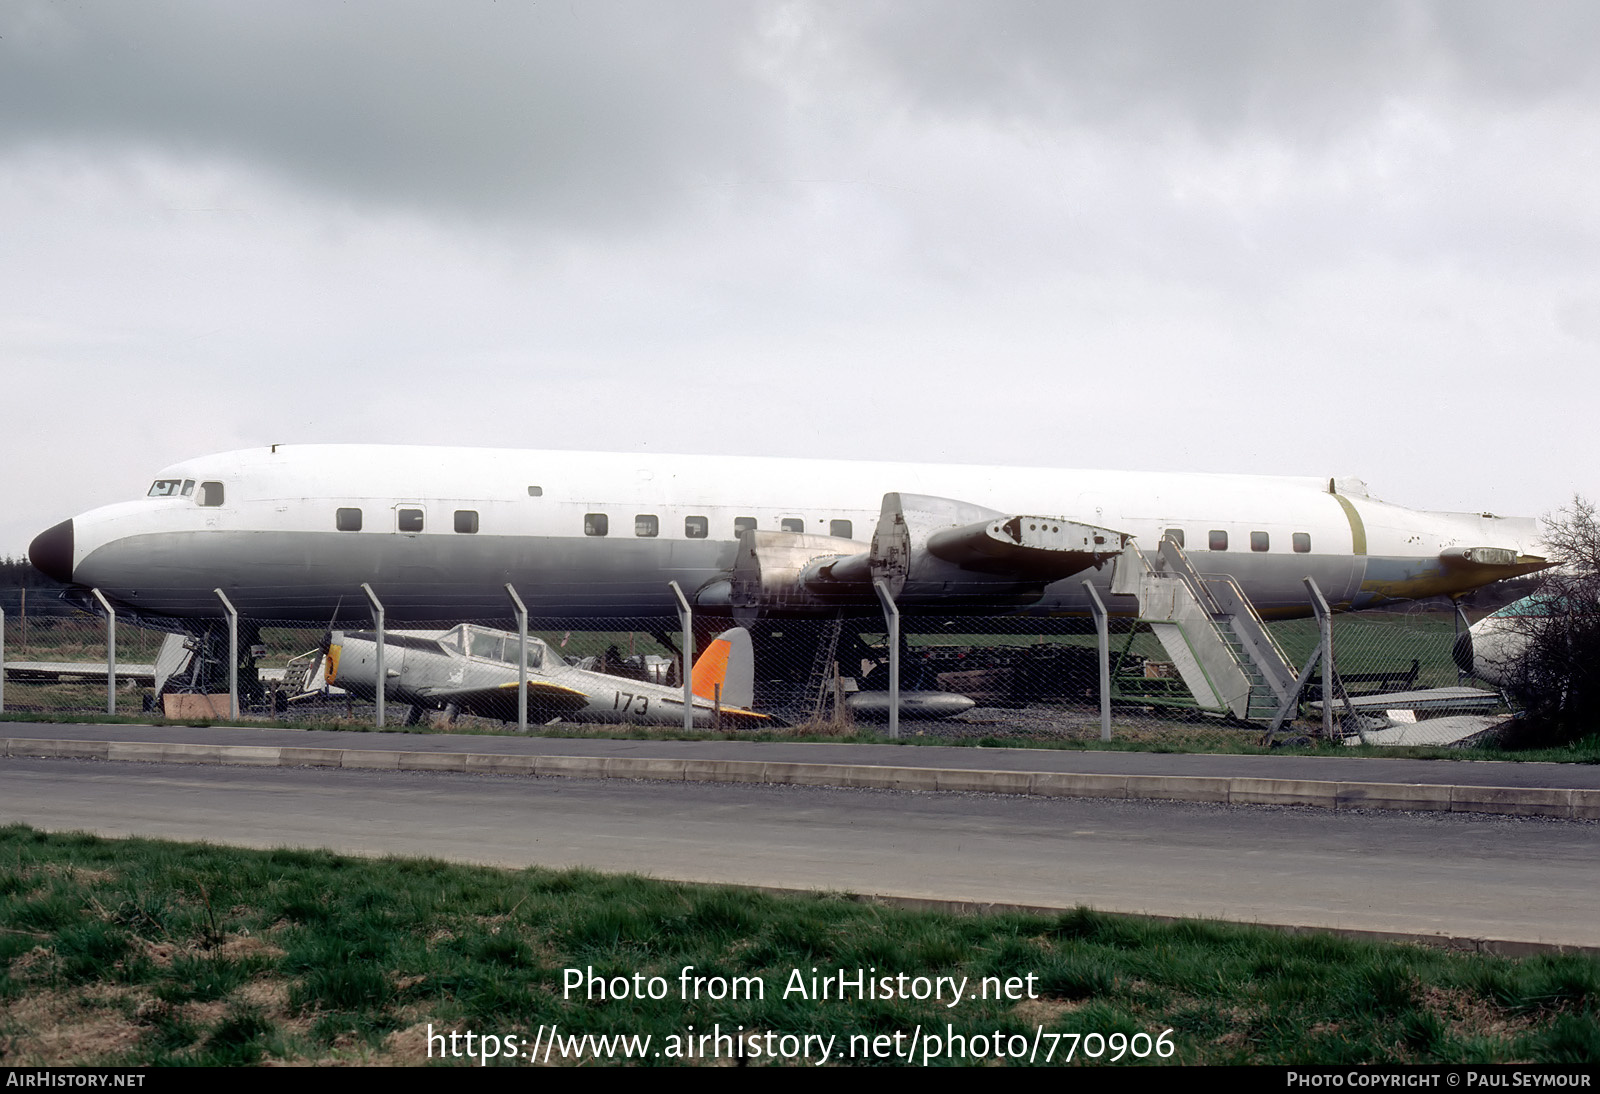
(1557, 678)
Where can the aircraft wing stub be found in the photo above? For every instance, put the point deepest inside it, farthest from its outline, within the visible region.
(1048, 548)
(738, 713)
(930, 542)
(497, 700)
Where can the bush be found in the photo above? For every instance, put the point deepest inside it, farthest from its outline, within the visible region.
(1557, 678)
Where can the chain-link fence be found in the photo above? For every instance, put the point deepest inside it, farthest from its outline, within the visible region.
(1003, 677)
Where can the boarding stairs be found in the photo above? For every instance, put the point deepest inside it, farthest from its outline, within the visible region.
(1217, 642)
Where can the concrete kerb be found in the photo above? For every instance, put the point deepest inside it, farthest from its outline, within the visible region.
(1410, 797)
(67, 750)
(309, 757)
(1577, 804)
(493, 763)
(572, 767)
(371, 759)
(1585, 804)
(253, 756)
(1324, 795)
(723, 771)
(433, 761)
(982, 782)
(1182, 788)
(1058, 784)
(644, 767)
(164, 752)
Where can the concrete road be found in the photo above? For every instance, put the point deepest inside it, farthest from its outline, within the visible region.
(1465, 876)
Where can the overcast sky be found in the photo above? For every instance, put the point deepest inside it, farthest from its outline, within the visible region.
(1276, 237)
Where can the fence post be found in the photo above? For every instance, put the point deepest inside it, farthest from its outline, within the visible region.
(686, 617)
(1102, 630)
(892, 614)
(111, 652)
(522, 659)
(1461, 622)
(383, 673)
(1325, 621)
(233, 654)
(2, 660)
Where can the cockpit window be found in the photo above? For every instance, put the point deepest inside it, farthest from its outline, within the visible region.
(487, 644)
(188, 487)
(496, 646)
(167, 488)
(211, 493)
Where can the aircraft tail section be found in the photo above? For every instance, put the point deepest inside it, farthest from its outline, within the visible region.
(729, 662)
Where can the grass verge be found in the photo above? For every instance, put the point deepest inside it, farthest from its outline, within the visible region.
(1130, 738)
(136, 952)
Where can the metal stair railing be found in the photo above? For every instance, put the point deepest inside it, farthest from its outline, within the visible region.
(1226, 651)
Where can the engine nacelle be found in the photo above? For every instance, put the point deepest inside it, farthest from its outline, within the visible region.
(957, 556)
(785, 572)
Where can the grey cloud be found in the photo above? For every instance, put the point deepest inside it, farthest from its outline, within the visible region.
(579, 110)
(592, 113)
(1289, 66)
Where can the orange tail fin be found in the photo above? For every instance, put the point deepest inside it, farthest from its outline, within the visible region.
(728, 663)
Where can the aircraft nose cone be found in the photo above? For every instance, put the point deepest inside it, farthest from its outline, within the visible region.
(51, 552)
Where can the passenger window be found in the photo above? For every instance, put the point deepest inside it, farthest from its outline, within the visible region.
(1259, 541)
(466, 520)
(347, 520)
(840, 528)
(646, 525)
(535, 491)
(696, 527)
(211, 494)
(410, 520)
(1302, 543)
(595, 524)
(1175, 535)
(742, 525)
(1218, 540)
(792, 524)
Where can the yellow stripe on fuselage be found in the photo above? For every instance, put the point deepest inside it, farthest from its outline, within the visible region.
(1358, 530)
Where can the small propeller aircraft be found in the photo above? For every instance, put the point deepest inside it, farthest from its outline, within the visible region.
(473, 670)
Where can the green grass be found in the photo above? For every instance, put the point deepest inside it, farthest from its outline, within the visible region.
(138, 952)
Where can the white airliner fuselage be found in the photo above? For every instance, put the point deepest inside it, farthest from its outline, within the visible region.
(292, 532)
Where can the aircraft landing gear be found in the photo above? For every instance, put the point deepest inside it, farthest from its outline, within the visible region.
(205, 670)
